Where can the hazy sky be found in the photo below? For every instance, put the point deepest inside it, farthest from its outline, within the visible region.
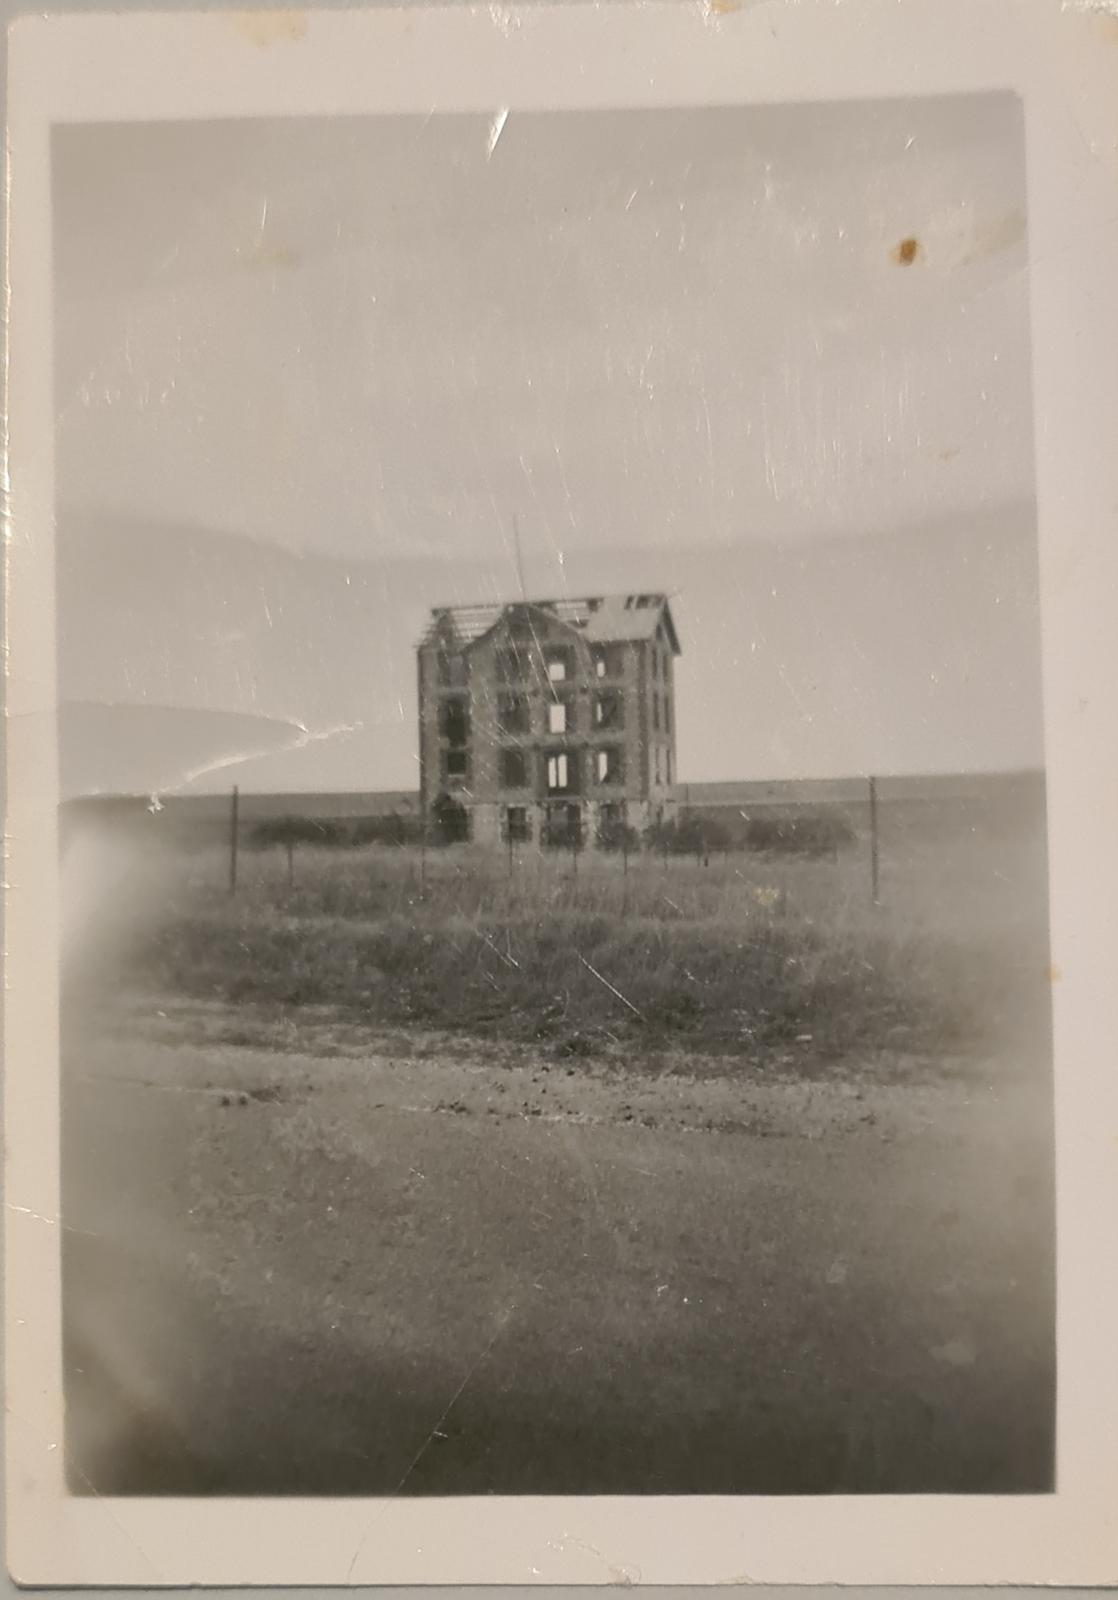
(309, 373)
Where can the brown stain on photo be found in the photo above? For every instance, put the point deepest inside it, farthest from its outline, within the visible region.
(263, 28)
(907, 252)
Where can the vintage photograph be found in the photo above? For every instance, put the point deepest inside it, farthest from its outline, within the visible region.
(555, 971)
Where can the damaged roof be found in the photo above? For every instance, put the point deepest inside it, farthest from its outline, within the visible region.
(601, 619)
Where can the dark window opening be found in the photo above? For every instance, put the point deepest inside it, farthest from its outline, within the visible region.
(456, 765)
(454, 721)
(513, 714)
(514, 769)
(517, 829)
(609, 709)
(452, 821)
(655, 712)
(563, 827)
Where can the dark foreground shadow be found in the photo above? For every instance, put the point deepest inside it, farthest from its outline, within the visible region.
(238, 1411)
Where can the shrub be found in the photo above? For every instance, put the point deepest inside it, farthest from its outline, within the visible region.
(291, 831)
(688, 835)
(395, 829)
(616, 834)
(697, 835)
(807, 833)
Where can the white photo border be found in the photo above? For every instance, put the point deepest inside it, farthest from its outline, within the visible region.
(1063, 64)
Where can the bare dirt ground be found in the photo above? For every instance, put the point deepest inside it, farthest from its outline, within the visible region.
(355, 1262)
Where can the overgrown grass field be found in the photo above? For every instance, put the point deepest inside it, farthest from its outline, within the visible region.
(744, 954)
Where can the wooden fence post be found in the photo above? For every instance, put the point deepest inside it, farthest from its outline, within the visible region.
(234, 829)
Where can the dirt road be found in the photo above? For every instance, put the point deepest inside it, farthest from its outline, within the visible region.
(397, 1268)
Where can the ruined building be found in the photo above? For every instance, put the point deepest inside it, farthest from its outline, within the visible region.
(549, 721)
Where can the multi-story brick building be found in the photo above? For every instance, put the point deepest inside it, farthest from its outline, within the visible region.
(550, 721)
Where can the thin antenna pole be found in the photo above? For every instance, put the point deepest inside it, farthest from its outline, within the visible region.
(524, 598)
(422, 845)
(519, 556)
(874, 865)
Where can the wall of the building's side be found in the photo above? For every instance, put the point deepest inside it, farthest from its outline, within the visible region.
(640, 696)
(668, 686)
(658, 694)
(429, 741)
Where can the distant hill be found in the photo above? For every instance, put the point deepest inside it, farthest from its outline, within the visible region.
(855, 791)
(200, 819)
